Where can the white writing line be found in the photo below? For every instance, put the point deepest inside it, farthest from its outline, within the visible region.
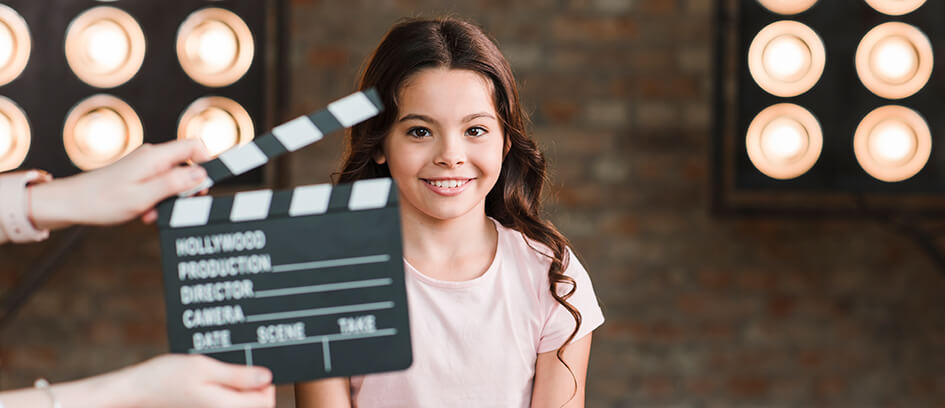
(324, 288)
(249, 355)
(326, 356)
(307, 340)
(319, 311)
(331, 263)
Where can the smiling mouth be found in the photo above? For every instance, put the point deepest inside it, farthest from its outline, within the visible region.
(447, 183)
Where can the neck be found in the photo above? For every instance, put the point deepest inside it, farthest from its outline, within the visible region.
(431, 239)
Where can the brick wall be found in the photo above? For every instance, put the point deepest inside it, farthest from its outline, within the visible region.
(702, 312)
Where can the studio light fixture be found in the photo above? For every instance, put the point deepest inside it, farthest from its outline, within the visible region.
(105, 46)
(102, 77)
(786, 58)
(100, 130)
(818, 113)
(220, 122)
(894, 60)
(215, 47)
(787, 7)
(895, 7)
(892, 143)
(15, 44)
(14, 135)
(784, 141)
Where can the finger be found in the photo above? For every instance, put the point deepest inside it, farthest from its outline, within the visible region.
(150, 216)
(174, 181)
(239, 377)
(161, 157)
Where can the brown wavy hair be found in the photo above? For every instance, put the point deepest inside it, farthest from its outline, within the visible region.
(515, 200)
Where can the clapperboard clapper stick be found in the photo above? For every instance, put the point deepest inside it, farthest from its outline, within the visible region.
(308, 282)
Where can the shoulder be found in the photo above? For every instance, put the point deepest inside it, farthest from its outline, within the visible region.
(532, 252)
(535, 258)
(525, 251)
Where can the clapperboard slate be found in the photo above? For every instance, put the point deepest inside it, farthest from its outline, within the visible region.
(308, 282)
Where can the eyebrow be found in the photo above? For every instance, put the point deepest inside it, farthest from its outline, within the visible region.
(428, 119)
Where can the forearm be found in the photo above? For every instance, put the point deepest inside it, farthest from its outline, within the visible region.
(100, 392)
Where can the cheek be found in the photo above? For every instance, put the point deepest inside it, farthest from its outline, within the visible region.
(404, 162)
(493, 157)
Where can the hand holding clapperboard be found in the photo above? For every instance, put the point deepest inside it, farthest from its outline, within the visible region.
(307, 282)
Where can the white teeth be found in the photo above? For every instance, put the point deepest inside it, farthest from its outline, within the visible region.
(446, 183)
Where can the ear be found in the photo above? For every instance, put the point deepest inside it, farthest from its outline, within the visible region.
(380, 157)
(506, 147)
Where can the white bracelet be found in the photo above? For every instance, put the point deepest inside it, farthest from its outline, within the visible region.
(42, 384)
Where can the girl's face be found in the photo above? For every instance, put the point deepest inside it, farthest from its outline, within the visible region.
(445, 147)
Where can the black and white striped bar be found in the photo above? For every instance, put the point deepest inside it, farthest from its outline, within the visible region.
(291, 136)
(308, 282)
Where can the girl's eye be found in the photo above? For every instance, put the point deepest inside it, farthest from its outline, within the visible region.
(476, 131)
(418, 132)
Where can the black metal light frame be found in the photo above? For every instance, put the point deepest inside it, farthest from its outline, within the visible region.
(269, 107)
(836, 186)
(160, 91)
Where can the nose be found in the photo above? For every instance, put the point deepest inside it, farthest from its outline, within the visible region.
(450, 152)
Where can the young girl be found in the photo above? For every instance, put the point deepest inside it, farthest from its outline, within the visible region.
(500, 310)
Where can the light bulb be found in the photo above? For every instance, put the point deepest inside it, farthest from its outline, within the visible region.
(894, 59)
(102, 133)
(221, 123)
(15, 47)
(107, 45)
(892, 141)
(787, 58)
(6, 135)
(7, 45)
(217, 129)
(895, 7)
(217, 45)
(787, 7)
(783, 139)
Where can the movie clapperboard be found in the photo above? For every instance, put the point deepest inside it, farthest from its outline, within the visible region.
(307, 282)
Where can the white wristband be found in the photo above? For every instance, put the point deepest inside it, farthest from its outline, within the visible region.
(42, 384)
(15, 206)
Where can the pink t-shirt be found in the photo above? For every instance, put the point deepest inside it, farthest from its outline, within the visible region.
(475, 342)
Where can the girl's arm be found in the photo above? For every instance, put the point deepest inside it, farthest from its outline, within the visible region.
(553, 383)
(327, 393)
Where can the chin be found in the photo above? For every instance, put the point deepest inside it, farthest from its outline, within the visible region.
(446, 214)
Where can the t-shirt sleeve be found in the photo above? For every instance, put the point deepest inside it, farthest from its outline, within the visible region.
(558, 321)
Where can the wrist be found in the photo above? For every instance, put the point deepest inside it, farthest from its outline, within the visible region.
(52, 206)
(16, 218)
(110, 390)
